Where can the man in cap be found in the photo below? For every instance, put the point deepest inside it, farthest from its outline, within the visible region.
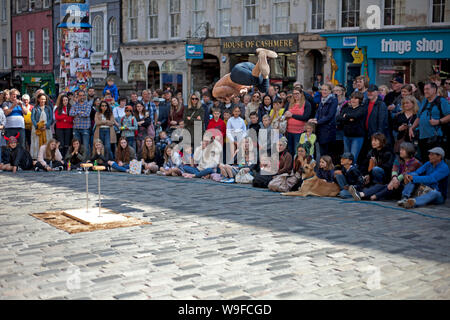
(396, 85)
(431, 179)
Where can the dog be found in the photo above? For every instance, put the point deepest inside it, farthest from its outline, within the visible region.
(313, 186)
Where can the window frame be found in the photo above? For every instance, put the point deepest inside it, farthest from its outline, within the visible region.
(220, 11)
(132, 19)
(341, 20)
(274, 17)
(44, 47)
(173, 14)
(151, 16)
(17, 2)
(311, 14)
(29, 5)
(31, 48)
(45, 4)
(245, 25)
(19, 62)
(112, 35)
(431, 15)
(195, 13)
(98, 19)
(4, 16)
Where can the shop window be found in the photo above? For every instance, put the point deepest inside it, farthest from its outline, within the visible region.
(349, 13)
(250, 16)
(317, 14)
(438, 11)
(152, 19)
(136, 71)
(223, 17)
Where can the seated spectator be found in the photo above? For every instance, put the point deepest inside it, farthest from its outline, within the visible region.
(206, 157)
(309, 136)
(99, 155)
(349, 178)
(49, 157)
(76, 155)
(245, 159)
(326, 169)
(150, 156)
(17, 157)
(378, 164)
(124, 155)
(267, 171)
(403, 165)
(433, 175)
(172, 162)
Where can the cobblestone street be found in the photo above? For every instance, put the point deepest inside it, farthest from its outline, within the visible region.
(214, 241)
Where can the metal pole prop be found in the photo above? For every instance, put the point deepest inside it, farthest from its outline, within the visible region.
(86, 167)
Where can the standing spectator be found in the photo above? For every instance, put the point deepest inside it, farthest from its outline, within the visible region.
(326, 120)
(362, 83)
(236, 101)
(396, 85)
(14, 110)
(318, 81)
(338, 147)
(404, 120)
(252, 106)
(351, 119)
(265, 107)
(161, 116)
(134, 98)
(434, 113)
(297, 115)
(104, 128)
(176, 115)
(119, 113)
(447, 89)
(64, 123)
(148, 104)
(216, 123)
(90, 95)
(42, 118)
(2, 130)
(383, 91)
(81, 111)
(128, 126)
(145, 124)
(111, 86)
(277, 120)
(27, 119)
(376, 120)
(193, 117)
(207, 106)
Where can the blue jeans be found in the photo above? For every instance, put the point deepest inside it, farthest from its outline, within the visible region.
(342, 182)
(132, 142)
(242, 74)
(198, 173)
(104, 135)
(124, 168)
(353, 145)
(293, 139)
(83, 135)
(377, 175)
(432, 197)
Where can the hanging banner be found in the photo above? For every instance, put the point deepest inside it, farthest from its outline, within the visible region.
(74, 14)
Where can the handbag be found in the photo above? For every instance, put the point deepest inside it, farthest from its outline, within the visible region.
(283, 182)
(151, 130)
(135, 167)
(216, 177)
(243, 177)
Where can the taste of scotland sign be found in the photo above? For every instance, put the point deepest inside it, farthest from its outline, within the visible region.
(278, 43)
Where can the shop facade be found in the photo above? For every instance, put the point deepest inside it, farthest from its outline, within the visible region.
(30, 82)
(415, 53)
(155, 66)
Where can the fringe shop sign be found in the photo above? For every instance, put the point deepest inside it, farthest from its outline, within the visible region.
(250, 44)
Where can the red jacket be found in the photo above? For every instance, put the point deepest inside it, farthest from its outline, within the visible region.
(219, 125)
(63, 120)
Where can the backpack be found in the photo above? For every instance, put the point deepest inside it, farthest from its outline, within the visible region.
(445, 127)
(136, 132)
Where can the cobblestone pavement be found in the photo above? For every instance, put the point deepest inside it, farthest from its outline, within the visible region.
(213, 241)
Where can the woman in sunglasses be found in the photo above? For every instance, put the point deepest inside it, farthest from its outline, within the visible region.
(193, 114)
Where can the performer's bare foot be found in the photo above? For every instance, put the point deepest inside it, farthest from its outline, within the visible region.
(262, 66)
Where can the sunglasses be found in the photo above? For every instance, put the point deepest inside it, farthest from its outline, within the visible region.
(194, 98)
(127, 110)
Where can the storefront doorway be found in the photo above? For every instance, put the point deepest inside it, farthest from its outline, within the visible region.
(204, 71)
(154, 81)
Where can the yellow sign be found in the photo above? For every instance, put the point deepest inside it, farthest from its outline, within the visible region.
(358, 55)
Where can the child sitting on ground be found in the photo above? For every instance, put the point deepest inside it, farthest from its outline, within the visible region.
(172, 162)
(163, 141)
(349, 179)
(326, 169)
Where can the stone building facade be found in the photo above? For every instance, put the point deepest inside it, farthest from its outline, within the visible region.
(5, 44)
